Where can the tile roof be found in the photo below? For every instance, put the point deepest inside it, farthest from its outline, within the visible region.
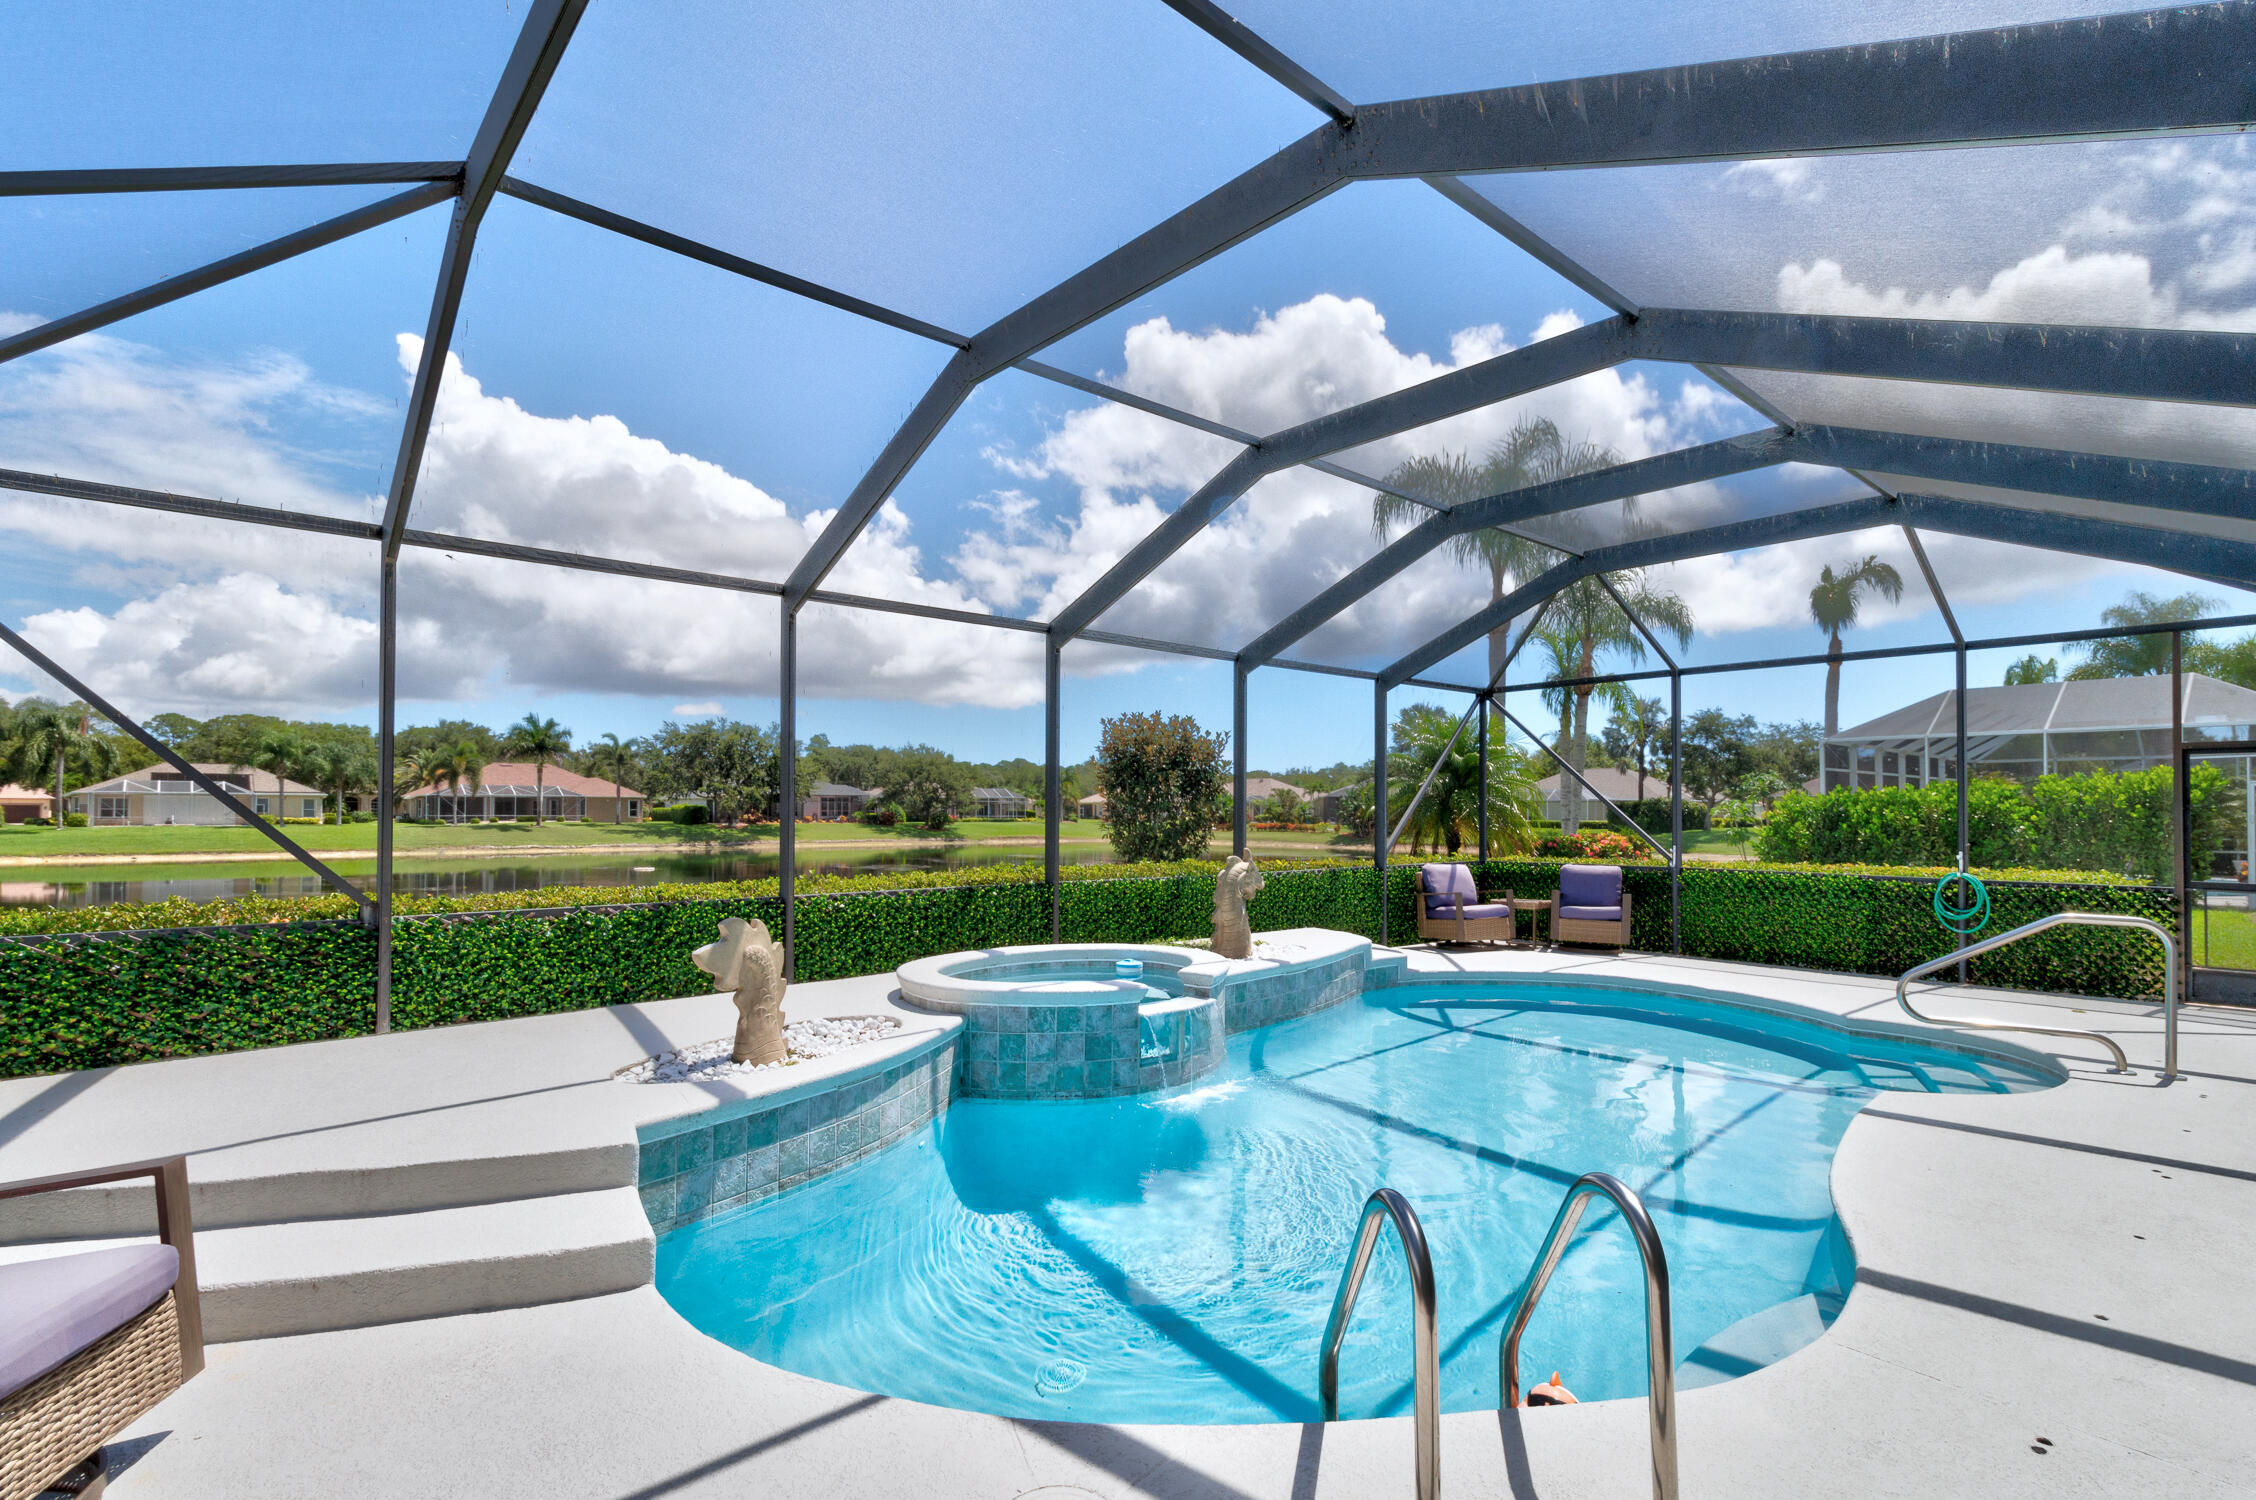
(502, 775)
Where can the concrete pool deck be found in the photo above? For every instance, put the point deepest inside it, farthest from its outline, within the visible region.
(2049, 1299)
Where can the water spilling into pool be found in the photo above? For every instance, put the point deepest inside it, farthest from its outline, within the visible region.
(1171, 1258)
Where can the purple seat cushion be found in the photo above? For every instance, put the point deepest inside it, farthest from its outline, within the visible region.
(1443, 883)
(1589, 913)
(1485, 909)
(66, 1304)
(1590, 885)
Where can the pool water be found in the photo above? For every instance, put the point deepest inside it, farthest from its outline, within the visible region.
(1172, 1258)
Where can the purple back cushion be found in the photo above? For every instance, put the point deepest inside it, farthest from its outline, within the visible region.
(1443, 883)
(66, 1304)
(1590, 885)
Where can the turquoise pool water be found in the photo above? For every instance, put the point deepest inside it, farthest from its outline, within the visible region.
(1171, 1258)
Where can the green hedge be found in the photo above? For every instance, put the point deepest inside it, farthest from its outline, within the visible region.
(99, 998)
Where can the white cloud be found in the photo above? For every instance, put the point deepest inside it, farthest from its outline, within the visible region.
(707, 710)
(1792, 179)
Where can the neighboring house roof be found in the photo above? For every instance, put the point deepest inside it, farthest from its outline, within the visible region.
(515, 778)
(1097, 797)
(259, 782)
(839, 789)
(2061, 708)
(1261, 788)
(998, 794)
(12, 793)
(1608, 781)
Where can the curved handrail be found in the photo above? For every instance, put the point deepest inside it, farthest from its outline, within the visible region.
(2061, 919)
(1660, 1356)
(1425, 1337)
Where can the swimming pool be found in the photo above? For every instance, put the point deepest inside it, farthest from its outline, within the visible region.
(1172, 1257)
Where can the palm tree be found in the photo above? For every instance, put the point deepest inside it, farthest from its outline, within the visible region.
(1450, 811)
(46, 736)
(1834, 604)
(1582, 623)
(615, 754)
(1533, 452)
(544, 740)
(338, 767)
(410, 769)
(460, 764)
(283, 752)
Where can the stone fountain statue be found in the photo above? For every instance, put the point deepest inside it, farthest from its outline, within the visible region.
(746, 961)
(1238, 883)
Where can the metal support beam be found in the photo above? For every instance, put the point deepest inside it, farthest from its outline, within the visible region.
(164, 752)
(1584, 782)
(1934, 584)
(787, 779)
(1237, 757)
(1053, 793)
(1379, 798)
(1487, 706)
(2201, 556)
(387, 762)
(1243, 40)
(191, 179)
(2196, 488)
(1676, 812)
(1548, 363)
(2180, 844)
(257, 258)
(682, 245)
(540, 47)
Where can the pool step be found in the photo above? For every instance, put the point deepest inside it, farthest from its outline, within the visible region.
(227, 1191)
(265, 1280)
(1748, 1345)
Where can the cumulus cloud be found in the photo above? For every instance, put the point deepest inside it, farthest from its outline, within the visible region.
(706, 710)
(1793, 179)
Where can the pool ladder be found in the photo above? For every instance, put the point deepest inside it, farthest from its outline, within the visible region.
(1660, 1358)
(2030, 929)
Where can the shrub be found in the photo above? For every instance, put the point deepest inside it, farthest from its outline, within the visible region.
(74, 820)
(686, 812)
(1163, 777)
(2099, 820)
(1599, 844)
(273, 977)
(882, 814)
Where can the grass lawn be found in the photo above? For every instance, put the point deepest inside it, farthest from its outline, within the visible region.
(2224, 939)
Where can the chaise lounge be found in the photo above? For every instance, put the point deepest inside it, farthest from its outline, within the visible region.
(1450, 909)
(89, 1341)
(1590, 906)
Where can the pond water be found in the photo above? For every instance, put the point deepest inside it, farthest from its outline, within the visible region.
(103, 885)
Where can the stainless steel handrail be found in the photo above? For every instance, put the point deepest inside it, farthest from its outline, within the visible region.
(1425, 1335)
(2062, 919)
(1660, 1356)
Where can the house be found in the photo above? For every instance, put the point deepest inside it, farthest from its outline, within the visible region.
(827, 801)
(1260, 789)
(2036, 729)
(510, 790)
(1091, 806)
(22, 804)
(1611, 782)
(1001, 802)
(162, 794)
(1324, 807)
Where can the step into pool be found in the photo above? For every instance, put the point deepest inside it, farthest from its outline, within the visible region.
(1172, 1257)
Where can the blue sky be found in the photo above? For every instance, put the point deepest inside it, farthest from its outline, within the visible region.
(953, 162)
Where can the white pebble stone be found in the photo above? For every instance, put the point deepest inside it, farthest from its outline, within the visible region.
(804, 1040)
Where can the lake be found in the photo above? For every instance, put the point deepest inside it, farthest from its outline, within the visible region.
(104, 885)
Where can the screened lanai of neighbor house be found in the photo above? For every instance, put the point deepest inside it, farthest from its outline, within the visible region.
(1754, 429)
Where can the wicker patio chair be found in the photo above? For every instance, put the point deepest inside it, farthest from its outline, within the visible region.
(1590, 906)
(1451, 910)
(93, 1339)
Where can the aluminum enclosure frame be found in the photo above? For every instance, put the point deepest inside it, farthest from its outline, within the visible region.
(2151, 74)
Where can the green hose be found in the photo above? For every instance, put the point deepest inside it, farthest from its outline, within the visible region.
(1968, 919)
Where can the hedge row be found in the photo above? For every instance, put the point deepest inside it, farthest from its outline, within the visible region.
(95, 999)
